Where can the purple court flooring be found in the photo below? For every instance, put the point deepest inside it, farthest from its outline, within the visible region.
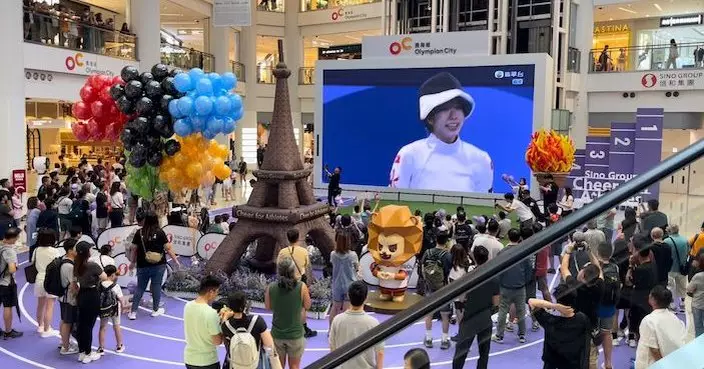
(158, 342)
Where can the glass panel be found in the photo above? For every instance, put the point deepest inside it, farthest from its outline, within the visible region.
(271, 6)
(574, 57)
(306, 76)
(186, 58)
(647, 58)
(70, 31)
(238, 70)
(267, 57)
(310, 5)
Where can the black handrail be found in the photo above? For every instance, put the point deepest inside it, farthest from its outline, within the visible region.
(504, 260)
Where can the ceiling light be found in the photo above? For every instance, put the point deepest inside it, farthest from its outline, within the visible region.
(657, 6)
(627, 10)
(647, 15)
(610, 19)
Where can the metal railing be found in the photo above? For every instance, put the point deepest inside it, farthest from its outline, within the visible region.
(313, 5)
(306, 76)
(276, 6)
(68, 31)
(238, 70)
(574, 57)
(646, 58)
(510, 257)
(265, 75)
(186, 58)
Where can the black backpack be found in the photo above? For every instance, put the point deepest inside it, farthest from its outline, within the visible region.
(52, 281)
(463, 233)
(612, 285)
(108, 301)
(76, 214)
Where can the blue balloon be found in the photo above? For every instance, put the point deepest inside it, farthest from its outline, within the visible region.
(185, 106)
(198, 123)
(216, 80)
(173, 109)
(215, 124)
(236, 101)
(229, 126)
(222, 105)
(238, 114)
(182, 82)
(203, 106)
(182, 127)
(209, 135)
(196, 74)
(204, 87)
(229, 81)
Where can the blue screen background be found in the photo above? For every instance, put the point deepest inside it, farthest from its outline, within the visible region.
(365, 125)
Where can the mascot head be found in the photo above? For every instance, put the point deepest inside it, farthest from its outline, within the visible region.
(395, 235)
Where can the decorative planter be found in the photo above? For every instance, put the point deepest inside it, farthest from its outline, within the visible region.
(560, 178)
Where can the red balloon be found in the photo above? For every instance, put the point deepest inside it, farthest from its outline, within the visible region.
(98, 108)
(117, 80)
(80, 131)
(104, 80)
(113, 112)
(112, 131)
(88, 94)
(104, 95)
(81, 110)
(95, 130)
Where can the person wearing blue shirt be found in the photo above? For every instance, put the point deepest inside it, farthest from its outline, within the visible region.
(677, 283)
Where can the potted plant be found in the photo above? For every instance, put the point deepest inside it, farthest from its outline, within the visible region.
(550, 154)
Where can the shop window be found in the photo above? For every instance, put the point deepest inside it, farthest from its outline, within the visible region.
(311, 5)
(267, 58)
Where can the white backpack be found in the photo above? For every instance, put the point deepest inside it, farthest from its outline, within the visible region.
(244, 353)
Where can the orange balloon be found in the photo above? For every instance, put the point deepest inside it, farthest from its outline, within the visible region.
(194, 170)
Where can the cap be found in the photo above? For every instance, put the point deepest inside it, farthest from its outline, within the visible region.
(438, 90)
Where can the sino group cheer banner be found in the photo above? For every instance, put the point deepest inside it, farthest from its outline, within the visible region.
(607, 162)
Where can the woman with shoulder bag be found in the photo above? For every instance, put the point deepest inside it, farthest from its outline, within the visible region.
(150, 246)
(43, 255)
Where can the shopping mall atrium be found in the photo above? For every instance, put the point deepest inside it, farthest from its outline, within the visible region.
(219, 118)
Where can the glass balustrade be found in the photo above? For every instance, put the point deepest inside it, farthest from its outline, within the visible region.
(647, 58)
(238, 70)
(312, 5)
(186, 58)
(306, 76)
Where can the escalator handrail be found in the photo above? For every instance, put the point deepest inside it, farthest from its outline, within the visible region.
(504, 260)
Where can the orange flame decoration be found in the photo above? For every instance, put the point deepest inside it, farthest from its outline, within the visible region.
(550, 151)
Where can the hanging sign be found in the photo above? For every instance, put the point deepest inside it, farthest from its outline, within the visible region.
(232, 13)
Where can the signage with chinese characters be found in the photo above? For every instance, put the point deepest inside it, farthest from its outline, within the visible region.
(208, 244)
(516, 77)
(426, 45)
(19, 180)
(684, 20)
(347, 14)
(183, 239)
(235, 13)
(52, 59)
(673, 80)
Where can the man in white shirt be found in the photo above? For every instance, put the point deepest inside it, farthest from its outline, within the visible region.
(489, 240)
(661, 332)
(443, 160)
(525, 216)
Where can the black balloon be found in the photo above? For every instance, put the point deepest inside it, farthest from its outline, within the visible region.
(154, 143)
(171, 147)
(161, 124)
(141, 125)
(155, 158)
(175, 71)
(117, 91)
(125, 105)
(153, 89)
(168, 86)
(138, 156)
(160, 71)
(133, 90)
(129, 73)
(164, 103)
(144, 106)
(128, 138)
(146, 77)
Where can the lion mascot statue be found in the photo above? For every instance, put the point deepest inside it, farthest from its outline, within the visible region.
(395, 236)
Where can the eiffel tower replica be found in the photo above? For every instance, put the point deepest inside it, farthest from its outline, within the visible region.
(281, 198)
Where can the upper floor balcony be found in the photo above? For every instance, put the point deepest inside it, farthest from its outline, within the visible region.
(186, 58)
(647, 58)
(88, 34)
(313, 5)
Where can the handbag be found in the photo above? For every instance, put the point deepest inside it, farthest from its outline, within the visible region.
(30, 271)
(682, 267)
(304, 278)
(152, 257)
(273, 360)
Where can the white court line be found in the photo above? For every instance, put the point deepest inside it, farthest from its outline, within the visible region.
(25, 360)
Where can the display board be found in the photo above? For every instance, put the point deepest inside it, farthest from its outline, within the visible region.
(375, 122)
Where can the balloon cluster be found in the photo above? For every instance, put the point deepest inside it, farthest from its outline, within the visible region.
(146, 98)
(199, 163)
(208, 107)
(99, 117)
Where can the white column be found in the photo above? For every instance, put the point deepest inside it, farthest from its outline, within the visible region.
(384, 17)
(220, 42)
(446, 15)
(394, 17)
(503, 26)
(584, 33)
(433, 16)
(490, 25)
(145, 19)
(12, 110)
(248, 57)
(293, 55)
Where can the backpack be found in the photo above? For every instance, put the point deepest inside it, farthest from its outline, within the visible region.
(243, 351)
(109, 305)
(612, 285)
(463, 233)
(429, 240)
(52, 281)
(433, 271)
(76, 214)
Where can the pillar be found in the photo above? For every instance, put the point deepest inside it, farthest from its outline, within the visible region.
(293, 55)
(248, 56)
(218, 44)
(503, 27)
(584, 33)
(394, 17)
(433, 16)
(12, 109)
(384, 18)
(446, 15)
(490, 25)
(144, 17)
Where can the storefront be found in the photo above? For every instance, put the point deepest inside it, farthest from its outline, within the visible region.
(309, 5)
(341, 52)
(617, 36)
(686, 30)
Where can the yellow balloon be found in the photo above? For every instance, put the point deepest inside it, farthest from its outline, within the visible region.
(194, 170)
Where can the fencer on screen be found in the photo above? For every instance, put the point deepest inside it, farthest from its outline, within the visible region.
(443, 160)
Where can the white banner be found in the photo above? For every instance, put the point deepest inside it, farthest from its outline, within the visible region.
(127, 275)
(235, 13)
(183, 239)
(118, 238)
(365, 269)
(209, 243)
(54, 59)
(442, 44)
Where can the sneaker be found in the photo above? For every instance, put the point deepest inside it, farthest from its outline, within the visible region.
(47, 334)
(94, 356)
(521, 339)
(616, 341)
(40, 329)
(509, 327)
(497, 339)
(621, 333)
(310, 333)
(535, 327)
(72, 349)
(455, 338)
(428, 342)
(120, 349)
(132, 316)
(453, 320)
(551, 271)
(100, 351)
(12, 334)
(158, 312)
(445, 344)
(83, 358)
(632, 343)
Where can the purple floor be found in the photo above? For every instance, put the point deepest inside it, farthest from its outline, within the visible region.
(158, 343)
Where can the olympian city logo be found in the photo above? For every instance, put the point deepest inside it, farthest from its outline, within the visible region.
(398, 47)
(74, 61)
(649, 80)
(419, 48)
(337, 14)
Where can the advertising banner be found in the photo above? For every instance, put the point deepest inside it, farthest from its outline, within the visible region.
(208, 244)
(125, 275)
(426, 45)
(54, 59)
(183, 239)
(118, 238)
(648, 145)
(622, 151)
(596, 168)
(232, 13)
(576, 177)
(19, 180)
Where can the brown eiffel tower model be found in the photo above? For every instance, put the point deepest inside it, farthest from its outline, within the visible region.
(281, 199)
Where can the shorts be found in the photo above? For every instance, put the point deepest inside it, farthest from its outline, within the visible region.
(606, 324)
(556, 248)
(69, 313)
(447, 308)
(290, 348)
(103, 223)
(115, 320)
(339, 295)
(8, 296)
(459, 305)
(39, 291)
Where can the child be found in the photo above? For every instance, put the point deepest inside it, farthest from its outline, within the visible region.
(111, 272)
(227, 186)
(8, 288)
